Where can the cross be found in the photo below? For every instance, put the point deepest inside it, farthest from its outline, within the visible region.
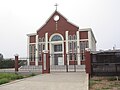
(56, 6)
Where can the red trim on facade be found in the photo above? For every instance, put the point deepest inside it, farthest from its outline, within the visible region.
(82, 62)
(83, 34)
(32, 62)
(33, 39)
(39, 62)
(72, 62)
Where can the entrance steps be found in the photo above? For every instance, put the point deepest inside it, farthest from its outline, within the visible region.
(30, 68)
(63, 68)
(54, 68)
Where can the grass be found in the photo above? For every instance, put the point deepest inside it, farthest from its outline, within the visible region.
(7, 77)
(105, 83)
(93, 82)
(4, 80)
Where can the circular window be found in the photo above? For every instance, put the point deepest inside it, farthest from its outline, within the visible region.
(56, 17)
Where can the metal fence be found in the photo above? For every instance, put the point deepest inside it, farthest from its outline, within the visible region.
(105, 64)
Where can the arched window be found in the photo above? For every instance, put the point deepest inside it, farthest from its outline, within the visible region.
(43, 39)
(56, 38)
(70, 37)
(74, 37)
(39, 39)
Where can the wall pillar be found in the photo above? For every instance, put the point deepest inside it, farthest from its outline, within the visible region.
(28, 43)
(37, 51)
(78, 48)
(88, 62)
(46, 41)
(89, 39)
(45, 62)
(16, 63)
(67, 47)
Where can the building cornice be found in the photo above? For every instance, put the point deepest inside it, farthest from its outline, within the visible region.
(31, 34)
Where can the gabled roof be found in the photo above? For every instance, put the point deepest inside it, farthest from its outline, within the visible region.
(52, 16)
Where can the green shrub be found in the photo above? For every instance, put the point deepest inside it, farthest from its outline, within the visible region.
(7, 64)
(15, 76)
(11, 63)
(7, 77)
(4, 80)
(32, 74)
(10, 76)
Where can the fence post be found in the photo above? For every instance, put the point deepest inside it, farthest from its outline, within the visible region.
(66, 63)
(45, 62)
(16, 63)
(88, 62)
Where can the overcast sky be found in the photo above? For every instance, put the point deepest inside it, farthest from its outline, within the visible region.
(21, 17)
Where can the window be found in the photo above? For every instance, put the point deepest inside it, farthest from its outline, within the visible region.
(30, 57)
(34, 48)
(70, 45)
(74, 37)
(56, 38)
(82, 56)
(70, 37)
(75, 45)
(43, 39)
(34, 57)
(40, 39)
(30, 48)
(41, 47)
(73, 56)
(70, 56)
(58, 48)
(83, 45)
(40, 57)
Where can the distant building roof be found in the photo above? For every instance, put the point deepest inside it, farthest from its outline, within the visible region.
(106, 51)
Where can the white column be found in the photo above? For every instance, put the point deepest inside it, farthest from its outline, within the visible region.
(89, 40)
(37, 51)
(67, 51)
(28, 56)
(78, 47)
(46, 41)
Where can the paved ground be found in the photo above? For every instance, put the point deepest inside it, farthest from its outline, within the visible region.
(53, 81)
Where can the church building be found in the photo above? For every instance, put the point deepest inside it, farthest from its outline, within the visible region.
(63, 40)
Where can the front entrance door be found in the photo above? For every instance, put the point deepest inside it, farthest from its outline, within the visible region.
(58, 59)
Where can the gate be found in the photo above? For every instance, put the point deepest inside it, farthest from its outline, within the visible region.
(61, 63)
(50, 63)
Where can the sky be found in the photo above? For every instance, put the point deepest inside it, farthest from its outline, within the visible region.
(21, 17)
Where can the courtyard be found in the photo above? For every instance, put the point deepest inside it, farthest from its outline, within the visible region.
(52, 81)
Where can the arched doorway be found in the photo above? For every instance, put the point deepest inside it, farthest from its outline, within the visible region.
(56, 49)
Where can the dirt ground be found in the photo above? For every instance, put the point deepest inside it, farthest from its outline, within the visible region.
(105, 83)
